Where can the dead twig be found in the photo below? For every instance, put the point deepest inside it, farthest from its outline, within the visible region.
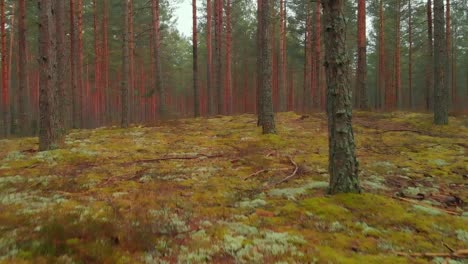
(292, 175)
(198, 156)
(425, 205)
(263, 171)
(462, 253)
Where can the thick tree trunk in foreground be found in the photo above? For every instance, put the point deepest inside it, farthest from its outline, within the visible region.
(268, 119)
(440, 66)
(196, 96)
(125, 65)
(23, 120)
(362, 56)
(343, 166)
(49, 135)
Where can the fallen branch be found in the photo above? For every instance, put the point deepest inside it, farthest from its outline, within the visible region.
(463, 253)
(425, 205)
(296, 168)
(263, 171)
(198, 156)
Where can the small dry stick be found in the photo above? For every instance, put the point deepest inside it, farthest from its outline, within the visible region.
(296, 168)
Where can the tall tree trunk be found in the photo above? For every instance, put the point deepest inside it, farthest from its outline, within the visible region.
(381, 87)
(268, 123)
(396, 98)
(307, 100)
(196, 96)
(318, 55)
(362, 56)
(5, 84)
(79, 61)
(343, 166)
(23, 120)
(430, 58)
(228, 85)
(131, 63)
(283, 82)
(62, 101)
(440, 66)
(49, 136)
(73, 66)
(105, 62)
(125, 65)
(218, 60)
(97, 67)
(162, 108)
(209, 50)
(448, 38)
(259, 64)
(410, 55)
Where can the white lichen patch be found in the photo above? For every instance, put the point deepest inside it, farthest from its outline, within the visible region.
(293, 193)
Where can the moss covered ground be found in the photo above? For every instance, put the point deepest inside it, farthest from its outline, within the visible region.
(213, 191)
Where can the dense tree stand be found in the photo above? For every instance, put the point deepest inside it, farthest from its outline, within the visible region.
(343, 166)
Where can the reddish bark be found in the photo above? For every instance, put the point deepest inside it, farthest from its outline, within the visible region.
(362, 57)
(381, 77)
(209, 48)
(196, 95)
(228, 85)
(396, 95)
(22, 71)
(5, 81)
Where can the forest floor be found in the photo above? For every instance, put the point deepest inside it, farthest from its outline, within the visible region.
(217, 191)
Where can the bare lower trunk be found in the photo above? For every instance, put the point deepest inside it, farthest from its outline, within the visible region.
(343, 166)
(440, 66)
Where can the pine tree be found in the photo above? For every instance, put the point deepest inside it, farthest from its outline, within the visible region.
(343, 166)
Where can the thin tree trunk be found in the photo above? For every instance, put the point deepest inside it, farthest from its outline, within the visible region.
(79, 62)
(343, 166)
(105, 62)
(259, 64)
(283, 82)
(62, 101)
(440, 66)
(381, 87)
(218, 60)
(268, 123)
(448, 38)
(318, 54)
(362, 56)
(5, 84)
(430, 54)
(209, 50)
(396, 96)
(196, 96)
(228, 90)
(125, 65)
(23, 120)
(410, 56)
(162, 108)
(131, 63)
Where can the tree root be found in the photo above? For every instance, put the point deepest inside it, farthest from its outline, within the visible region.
(460, 254)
